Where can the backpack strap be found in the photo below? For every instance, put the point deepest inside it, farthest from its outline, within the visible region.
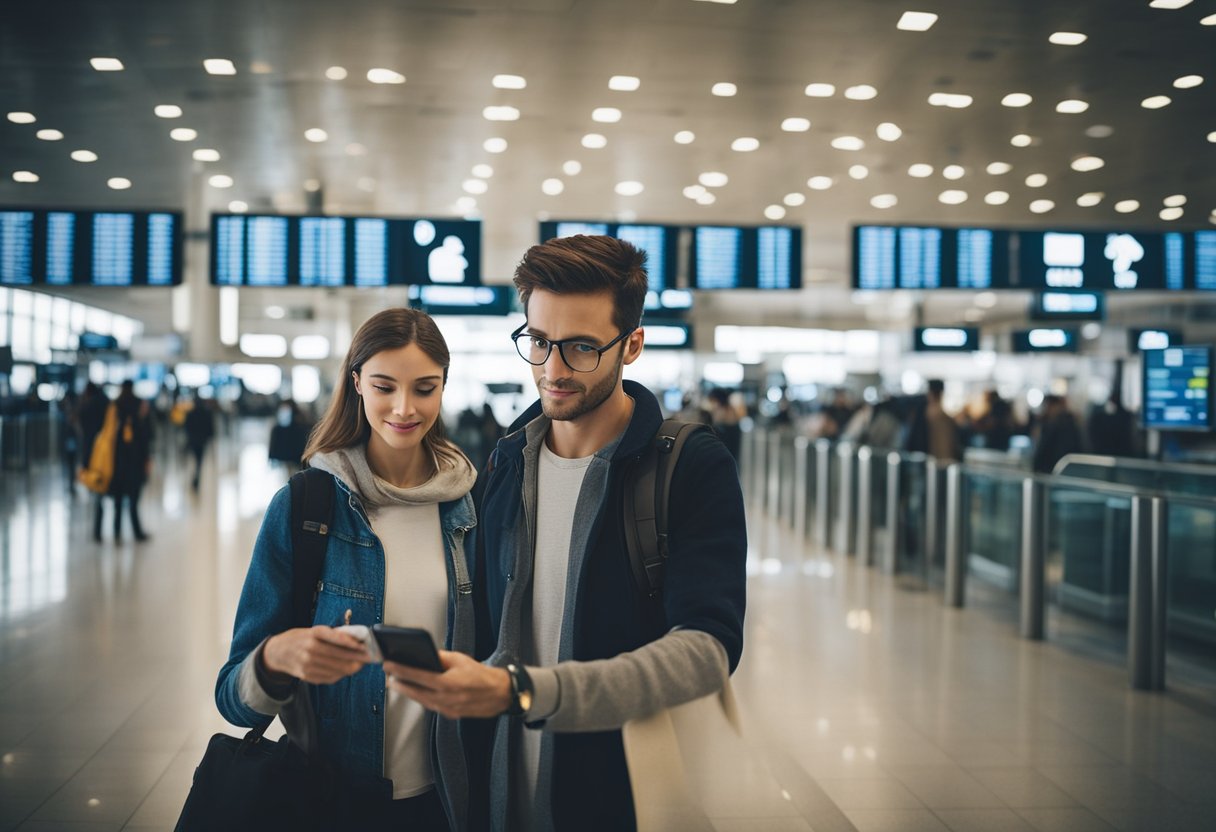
(647, 489)
(312, 512)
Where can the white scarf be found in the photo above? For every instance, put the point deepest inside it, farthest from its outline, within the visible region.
(453, 478)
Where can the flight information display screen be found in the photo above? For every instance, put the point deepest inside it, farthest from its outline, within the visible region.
(1177, 388)
(1096, 261)
(1139, 340)
(322, 251)
(660, 242)
(1044, 340)
(1204, 249)
(746, 257)
(946, 339)
(464, 300)
(914, 257)
(90, 248)
(1067, 306)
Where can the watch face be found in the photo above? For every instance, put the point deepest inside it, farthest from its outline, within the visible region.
(525, 700)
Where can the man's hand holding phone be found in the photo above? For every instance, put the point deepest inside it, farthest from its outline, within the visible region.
(465, 688)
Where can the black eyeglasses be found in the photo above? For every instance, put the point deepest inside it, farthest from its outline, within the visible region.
(582, 356)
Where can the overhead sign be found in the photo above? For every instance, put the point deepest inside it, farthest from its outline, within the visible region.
(1045, 340)
(1178, 389)
(946, 339)
(1139, 340)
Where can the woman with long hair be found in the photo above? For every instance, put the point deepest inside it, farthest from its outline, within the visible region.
(397, 549)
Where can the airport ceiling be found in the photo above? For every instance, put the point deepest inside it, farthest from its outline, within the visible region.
(410, 148)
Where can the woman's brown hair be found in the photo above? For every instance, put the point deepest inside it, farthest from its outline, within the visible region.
(344, 425)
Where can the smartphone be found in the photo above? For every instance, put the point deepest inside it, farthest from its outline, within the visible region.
(411, 646)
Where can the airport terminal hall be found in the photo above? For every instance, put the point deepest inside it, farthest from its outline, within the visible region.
(658, 415)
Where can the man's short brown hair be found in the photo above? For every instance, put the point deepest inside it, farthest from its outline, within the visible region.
(584, 264)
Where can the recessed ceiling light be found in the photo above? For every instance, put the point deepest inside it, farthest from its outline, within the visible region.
(183, 134)
(483, 171)
(239, 206)
(889, 132)
(1170, 214)
(119, 183)
(1036, 180)
(820, 90)
(475, 186)
(594, 141)
(624, 83)
(713, 179)
(1016, 99)
(745, 144)
(724, 89)
(1210, 20)
(819, 183)
(206, 154)
(167, 111)
(706, 199)
(380, 75)
(955, 101)
(694, 191)
(316, 135)
(1126, 206)
(861, 92)
(355, 149)
(954, 171)
(1100, 131)
(996, 198)
(685, 137)
(1041, 206)
(1091, 199)
(336, 73)
(220, 180)
(366, 184)
(1084, 164)
(84, 156)
(25, 176)
(21, 118)
(999, 168)
(774, 212)
(1021, 140)
(552, 187)
(606, 115)
(920, 170)
(219, 66)
(1155, 102)
(501, 113)
(1072, 106)
(848, 143)
(494, 145)
(509, 82)
(796, 125)
(952, 197)
(1068, 38)
(859, 171)
(106, 64)
(572, 168)
(1212, 137)
(49, 135)
(794, 200)
(1175, 201)
(916, 21)
(1186, 82)
(1169, 4)
(883, 201)
(629, 188)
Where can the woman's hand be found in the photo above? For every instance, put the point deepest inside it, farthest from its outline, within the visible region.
(320, 655)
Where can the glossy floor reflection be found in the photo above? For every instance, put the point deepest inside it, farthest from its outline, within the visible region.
(875, 707)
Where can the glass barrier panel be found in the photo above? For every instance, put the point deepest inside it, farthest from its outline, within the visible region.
(992, 513)
(1191, 595)
(911, 549)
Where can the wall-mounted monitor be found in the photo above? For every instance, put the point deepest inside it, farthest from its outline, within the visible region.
(945, 339)
(1178, 389)
(919, 257)
(1067, 306)
(660, 242)
(90, 248)
(1099, 260)
(1044, 339)
(668, 335)
(463, 300)
(1139, 340)
(319, 251)
(746, 257)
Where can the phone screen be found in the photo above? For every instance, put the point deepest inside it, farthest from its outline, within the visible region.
(411, 646)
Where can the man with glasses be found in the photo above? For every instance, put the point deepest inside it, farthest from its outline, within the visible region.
(574, 648)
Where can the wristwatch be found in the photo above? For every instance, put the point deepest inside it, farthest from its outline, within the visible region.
(521, 690)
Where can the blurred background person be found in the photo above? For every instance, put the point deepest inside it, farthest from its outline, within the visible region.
(1058, 434)
(199, 425)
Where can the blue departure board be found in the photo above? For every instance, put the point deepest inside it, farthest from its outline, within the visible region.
(113, 258)
(1175, 261)
(659, 242)
(1177, 388)
(160, 249)
(651, 239)
(570, 229)
(920, 258)
(366, 252)
(1205, 260)
(60, 247)
(975, 258)
(717, 258)
(746, 257)
(16, 248)
(874, 258)
(775, 258)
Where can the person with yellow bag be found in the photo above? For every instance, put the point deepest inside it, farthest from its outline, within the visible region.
(120, 461)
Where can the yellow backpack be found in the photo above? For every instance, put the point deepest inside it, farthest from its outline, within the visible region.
(97, 476)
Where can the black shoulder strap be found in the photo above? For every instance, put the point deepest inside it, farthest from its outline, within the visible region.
(312, 512)
(647, 486)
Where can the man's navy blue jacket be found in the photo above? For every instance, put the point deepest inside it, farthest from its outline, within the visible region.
(704, 588)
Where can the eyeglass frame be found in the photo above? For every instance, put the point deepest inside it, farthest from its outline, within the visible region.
(561, 347)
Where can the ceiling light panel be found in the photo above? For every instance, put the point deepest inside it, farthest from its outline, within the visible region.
(848, 143)
(219, 66)
(952, 197)
(1187, 82)
(1084, 164)
(1068, 38)
(1175, 201)
(954, 171)
(624, 83)
(1072, 106)
(1089, 200)
(1155, 102)
(774, 212)
(552, 187)
(794, 199)
(1169, 4)
(819, 183)
(745, 144)
(861, 92)
(1170, 214)
(920, 170)
(21, 118)
(916, 21)
(1016, 99)
(859, 172)
(1021, 140)
(84, 156)
(25, 177)
(796, 125)
(183, 134)
(106, 64)
(724, 89)
(316, 135)
(494, 145)
(713, 179)
(595, 141)
(685, 137)
(999, 168)
(380, 75)
(206, 154)
(606, 115)
(501, 113)
(888, 132)
(167, 111)
(629, 188)
(119, 183)
(1127, 206)
(49, 135)
(509, 82)
(475, 186)
(336, 73)
(220, 180)
(996, 197)
(884, 201)
(1036, 180)
(820, 90)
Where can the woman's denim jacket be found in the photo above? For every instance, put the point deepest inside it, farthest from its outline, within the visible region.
(350, 712)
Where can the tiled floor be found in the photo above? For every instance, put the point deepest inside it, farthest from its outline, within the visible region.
(875, 707)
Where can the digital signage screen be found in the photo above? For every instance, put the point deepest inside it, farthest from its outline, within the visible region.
(1139, 340)
(945, 339)
(464, 300)
(1044, 340)
(915, 257)
(668, 335)
(322, 251)
(90, 248)
(1067, 306)
(1177, 388)
(660, 242)
(1098, 261)
(746, 257)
